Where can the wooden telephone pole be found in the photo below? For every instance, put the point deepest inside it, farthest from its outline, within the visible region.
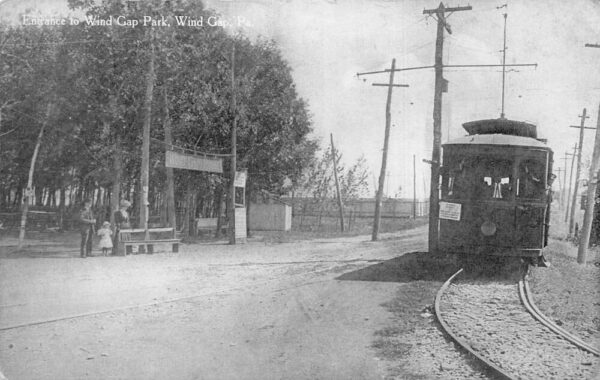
(233, 153)
(564, 182)
(337, 184)
(574, 201)
(591, 198)
(414, 187)
(570, 181)
(591, 195)
(388, 117)
(440, 85)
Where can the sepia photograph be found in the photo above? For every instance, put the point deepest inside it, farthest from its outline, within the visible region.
(299, 189)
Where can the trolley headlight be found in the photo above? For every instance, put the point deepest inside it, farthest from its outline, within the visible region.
(488, 228)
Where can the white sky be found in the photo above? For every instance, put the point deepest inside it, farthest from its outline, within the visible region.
(327, 42)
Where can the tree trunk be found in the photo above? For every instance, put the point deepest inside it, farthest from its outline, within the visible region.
(28, 191)
(187, 226)
(145, 168)
(61, 208)
(170, 190)
(38, 193)
(219, 207)
(249, 189)
(116, 185)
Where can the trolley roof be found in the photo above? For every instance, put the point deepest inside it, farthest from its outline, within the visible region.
(498, 139)
(501, 126)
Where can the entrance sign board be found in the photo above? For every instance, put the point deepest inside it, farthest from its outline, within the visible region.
(190, 162)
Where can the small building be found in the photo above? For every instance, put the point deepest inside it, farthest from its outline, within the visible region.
(270, 215)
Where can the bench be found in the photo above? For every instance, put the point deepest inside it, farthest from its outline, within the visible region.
(131, 240)
(208, 224)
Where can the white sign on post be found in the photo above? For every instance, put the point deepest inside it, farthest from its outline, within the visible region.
(240, 179)
(450, 211)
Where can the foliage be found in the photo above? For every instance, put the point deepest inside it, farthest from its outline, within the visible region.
(96, 75)
(319, 180)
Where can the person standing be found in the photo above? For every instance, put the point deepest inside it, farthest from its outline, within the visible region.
(121, 222)
(105, 234)
(88, 222)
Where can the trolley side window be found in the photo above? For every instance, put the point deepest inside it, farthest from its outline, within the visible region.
(530, 183)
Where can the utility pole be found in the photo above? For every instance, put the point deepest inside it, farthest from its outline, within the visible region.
(560, 187)
(591, 198)
(233, 167)
(503, 66)
(570, 180)
(564, 183)
(440, 84)
(337, 184)
(414, 188)
(382, 173)
(574, 201)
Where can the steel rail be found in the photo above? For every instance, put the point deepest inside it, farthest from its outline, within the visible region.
(527, 300)
(461, 342)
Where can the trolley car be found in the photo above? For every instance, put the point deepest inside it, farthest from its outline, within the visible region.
(495, 194)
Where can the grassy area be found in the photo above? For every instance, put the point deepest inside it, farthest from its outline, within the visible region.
(327, 227)
(568, 292)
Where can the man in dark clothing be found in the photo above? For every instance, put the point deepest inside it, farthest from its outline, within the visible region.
(87, 220)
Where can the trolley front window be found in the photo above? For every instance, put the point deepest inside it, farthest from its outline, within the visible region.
(480, 177)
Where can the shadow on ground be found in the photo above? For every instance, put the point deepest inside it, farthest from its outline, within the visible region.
(412, 266)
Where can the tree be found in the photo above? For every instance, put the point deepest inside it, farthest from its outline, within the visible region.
(91, 145)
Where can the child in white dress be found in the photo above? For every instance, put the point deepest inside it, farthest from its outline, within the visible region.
(105, 234)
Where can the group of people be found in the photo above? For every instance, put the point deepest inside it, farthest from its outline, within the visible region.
(109, 241)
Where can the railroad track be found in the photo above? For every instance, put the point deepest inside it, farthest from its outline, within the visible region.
(497, 322)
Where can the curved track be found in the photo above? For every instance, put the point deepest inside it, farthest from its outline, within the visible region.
(492, 323)
(527, 300)
(463, 343)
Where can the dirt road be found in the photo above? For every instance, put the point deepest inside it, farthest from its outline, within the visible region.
(252, 311)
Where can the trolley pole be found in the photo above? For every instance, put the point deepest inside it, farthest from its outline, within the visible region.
(591, 198)
(388, 120)
(574, 201)
(570, 180)
(440, 83)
